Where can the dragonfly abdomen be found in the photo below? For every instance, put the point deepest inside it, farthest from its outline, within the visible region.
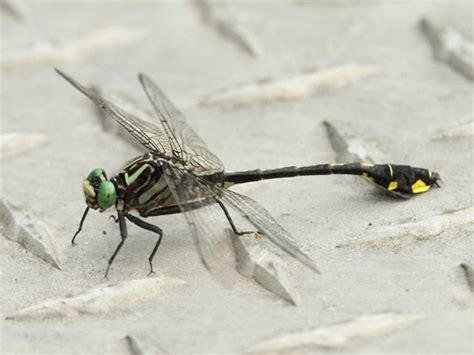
(402, 179)
(292, 171)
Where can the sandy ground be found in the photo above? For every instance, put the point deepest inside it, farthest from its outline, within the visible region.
(400, 110)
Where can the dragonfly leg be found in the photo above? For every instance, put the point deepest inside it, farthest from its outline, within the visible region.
(80, 225)
(151, 228)
(229, 218)
(123, 235)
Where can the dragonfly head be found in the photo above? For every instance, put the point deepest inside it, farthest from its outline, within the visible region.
(99, 191)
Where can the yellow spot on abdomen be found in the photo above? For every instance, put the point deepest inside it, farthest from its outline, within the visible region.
(419, 186)
(368, 165)
(393, 185)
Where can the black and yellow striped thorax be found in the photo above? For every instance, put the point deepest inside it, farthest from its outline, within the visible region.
(142, 185)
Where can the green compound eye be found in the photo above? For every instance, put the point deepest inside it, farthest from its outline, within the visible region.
(107, 195)
(98, 172)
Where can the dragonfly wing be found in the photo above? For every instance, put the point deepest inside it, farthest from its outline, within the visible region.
(188, 147)
(261, 219)
(214, 250)
(188, 187)
(148, 134)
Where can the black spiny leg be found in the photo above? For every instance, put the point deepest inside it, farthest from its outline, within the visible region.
(80, 225)
(229, 218)
(123, 235)
(151, 228)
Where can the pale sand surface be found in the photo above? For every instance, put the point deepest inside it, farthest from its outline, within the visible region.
(400, 110)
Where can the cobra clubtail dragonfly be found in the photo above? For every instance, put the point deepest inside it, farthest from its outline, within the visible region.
(179, 174)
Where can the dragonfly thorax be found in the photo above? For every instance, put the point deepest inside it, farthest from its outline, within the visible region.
(99, 191)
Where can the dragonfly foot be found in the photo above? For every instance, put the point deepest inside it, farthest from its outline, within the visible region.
(106, 276)
(150, 261)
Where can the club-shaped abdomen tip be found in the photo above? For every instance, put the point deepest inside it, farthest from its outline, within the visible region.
(423, 180)
(436, 179)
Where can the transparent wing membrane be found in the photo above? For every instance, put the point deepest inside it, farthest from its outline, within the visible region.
(203, 220)
(188, 146)
(146, 133)
(259, 217)
(189, 187)
(187, 161)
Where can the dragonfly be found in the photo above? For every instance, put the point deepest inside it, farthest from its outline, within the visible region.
(179, 174)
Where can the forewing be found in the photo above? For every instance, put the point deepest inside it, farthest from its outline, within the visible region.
(148, 134)
(188, 147)
(215, 252)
